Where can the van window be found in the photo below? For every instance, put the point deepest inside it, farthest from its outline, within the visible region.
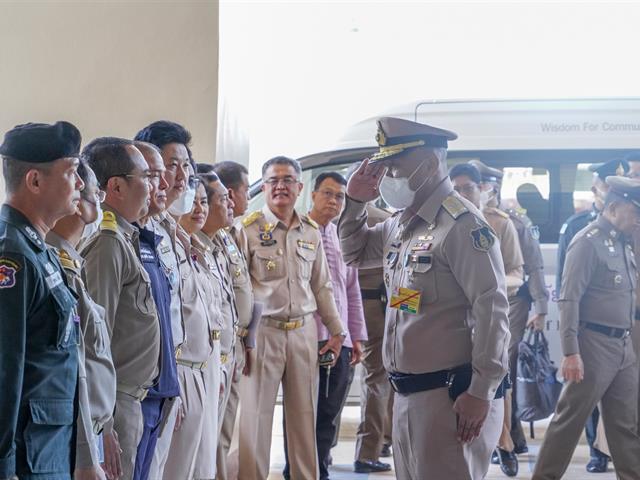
(582, 195)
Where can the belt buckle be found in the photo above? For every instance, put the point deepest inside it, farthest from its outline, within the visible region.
(145, 392)
(204, 365)
(626, 333)
(394, 385)
(289, 325)
(450, 378)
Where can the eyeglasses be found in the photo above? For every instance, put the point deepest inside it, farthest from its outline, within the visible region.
(328, 195)
(146, 176)
(469, 188)
(287, 181)
(98, 195)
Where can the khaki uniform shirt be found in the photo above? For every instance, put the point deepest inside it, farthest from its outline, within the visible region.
(528, 235)
(96, 365)
(288, 268)
(229, 309)
(165, 226)
(201, 301)
(598, 282)
(509, 248)
(448, 254)
(241, 281)
(116, 280)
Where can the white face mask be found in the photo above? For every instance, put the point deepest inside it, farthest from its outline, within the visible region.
(91, 228)
(396, 191)
(184, 203)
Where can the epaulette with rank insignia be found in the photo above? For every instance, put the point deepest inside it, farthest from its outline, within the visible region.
(310, 221)
(593, 232)
(454, 206)
(66, 261)
(498, 212)
(109, 222)
(251, 218)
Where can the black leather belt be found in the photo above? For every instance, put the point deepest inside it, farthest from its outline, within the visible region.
(608, 331)
(407, 383)
(369, 294)
(637, 315)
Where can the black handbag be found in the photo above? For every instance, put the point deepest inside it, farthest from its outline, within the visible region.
(537, 388)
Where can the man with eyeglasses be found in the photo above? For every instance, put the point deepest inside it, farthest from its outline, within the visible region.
(290, 276)
(173, 141)
(166, 387)
(38, 321)
(117, 280)
(328, 198)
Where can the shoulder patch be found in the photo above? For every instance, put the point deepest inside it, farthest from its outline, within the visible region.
(310, 221)
(535, 232)
(251, 218)
(482, 238)
(8, 270)
(109, 222)
(454, 206)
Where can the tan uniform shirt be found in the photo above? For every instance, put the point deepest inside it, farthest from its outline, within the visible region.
(241, 281)
(117, 281)
(288, 268)
(528, 236)
(598, 282)
(221, 246)
(447, 253)
(165, 226)
(201, 302)
(509, 248)
(98, 365)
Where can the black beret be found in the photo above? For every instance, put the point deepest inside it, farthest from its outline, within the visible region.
(488, 174)
(617, 166)
(41, 143)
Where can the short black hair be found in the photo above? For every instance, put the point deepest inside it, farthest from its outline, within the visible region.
(205, 179)
(230, 173)
(14, 171)
(335, 176)
(282, 160)
(204, 168)
(110, 160)
(101, 141)
(164, 132)
(465, 169)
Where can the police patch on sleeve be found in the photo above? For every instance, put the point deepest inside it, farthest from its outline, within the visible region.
(483, 238)
(8, 270)
(535, 232)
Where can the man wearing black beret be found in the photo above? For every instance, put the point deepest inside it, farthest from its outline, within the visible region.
(38, 324)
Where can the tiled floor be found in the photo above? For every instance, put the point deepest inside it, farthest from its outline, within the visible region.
(343, 455)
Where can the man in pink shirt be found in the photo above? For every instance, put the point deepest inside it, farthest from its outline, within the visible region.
(328, 198)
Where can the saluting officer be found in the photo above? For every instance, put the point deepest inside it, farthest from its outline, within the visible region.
(290, 276)
(597, 304)
(112, 257)
(446, 320)
(38, 321)
(97, 375)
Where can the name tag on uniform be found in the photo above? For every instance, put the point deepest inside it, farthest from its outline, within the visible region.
(406, 300)
(54, 280)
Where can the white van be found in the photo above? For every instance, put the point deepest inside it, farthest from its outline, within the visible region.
(547, 143)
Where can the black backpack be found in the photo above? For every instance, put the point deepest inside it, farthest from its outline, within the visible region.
(537, 389)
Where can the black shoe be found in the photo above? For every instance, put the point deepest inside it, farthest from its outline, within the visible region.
(495, 459)
(386, 450)
(598, 465)
(520, 449)
(508, 462)
(370, 466)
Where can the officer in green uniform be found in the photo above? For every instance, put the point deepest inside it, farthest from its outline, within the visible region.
(38, 324)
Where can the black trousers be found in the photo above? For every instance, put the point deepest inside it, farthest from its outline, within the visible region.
(329, 409)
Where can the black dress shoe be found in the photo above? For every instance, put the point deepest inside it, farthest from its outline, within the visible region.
(508, 462)
(598, 465)
(495, 459)
(370, 466)
(519, 449)
(386, 450)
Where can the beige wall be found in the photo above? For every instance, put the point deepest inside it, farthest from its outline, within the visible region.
(111, 67)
